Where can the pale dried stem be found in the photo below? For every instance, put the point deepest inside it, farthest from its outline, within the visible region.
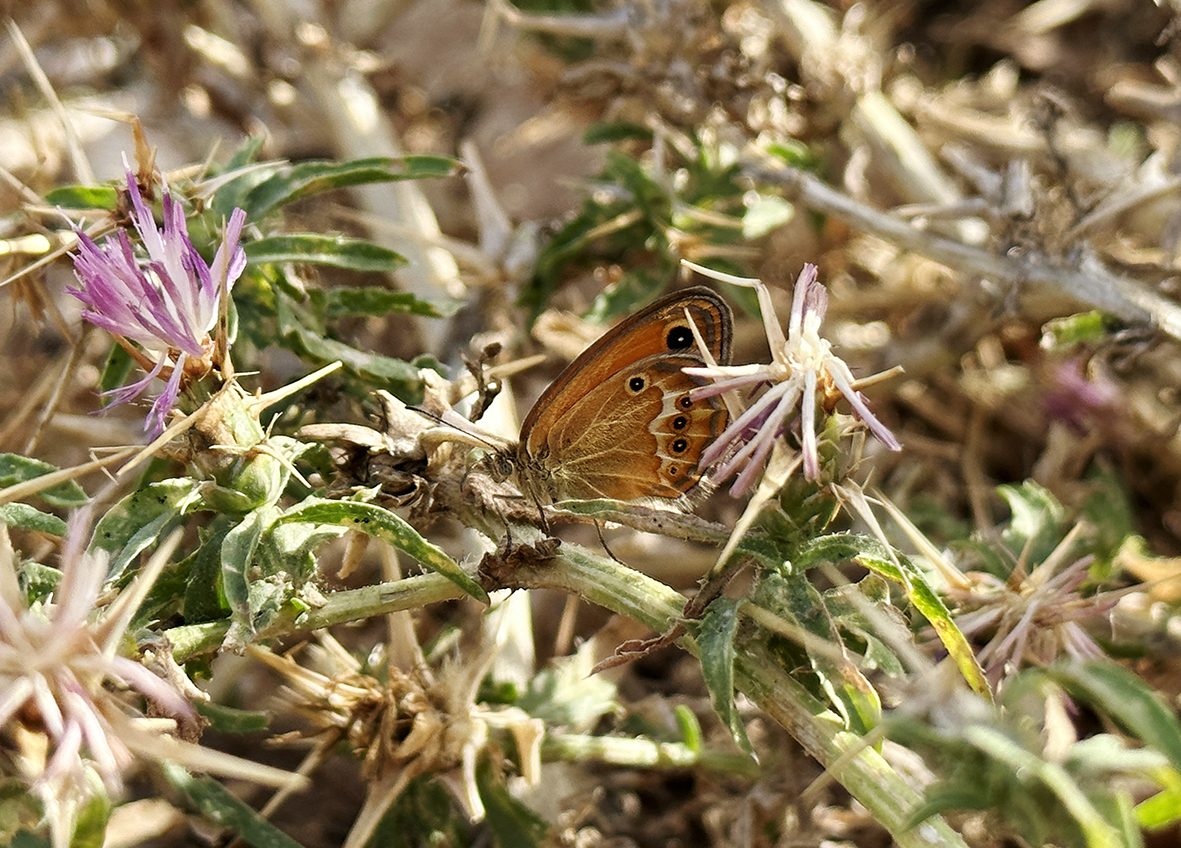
(1087, 281)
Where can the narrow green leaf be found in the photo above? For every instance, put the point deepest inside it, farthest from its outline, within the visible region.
(84, 197)
(237, 554)
(316, 249)
(1035, 525)
(1097, 832)
(871, 554)
(689, 727)
(1127, 699)
(308, 178)
(397, 375)
(617, 131)
(116, 369)
(225, 719)
(382, 524)
(715, 640)
(218, 805)
(1161, 810)
(341, 302)
(140, 519)
(15, 468)
(90, 828)
(29, 518)
(846, 687)
(203, 599)
(513, 824)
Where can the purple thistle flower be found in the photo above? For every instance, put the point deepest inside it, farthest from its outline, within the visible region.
(802, 362)
(166, 303)
(70, 711)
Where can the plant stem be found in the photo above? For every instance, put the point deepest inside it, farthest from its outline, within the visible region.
(191, 640)
(642, 753)
(858, 767)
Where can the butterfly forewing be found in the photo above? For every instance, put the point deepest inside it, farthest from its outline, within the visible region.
(619, 422)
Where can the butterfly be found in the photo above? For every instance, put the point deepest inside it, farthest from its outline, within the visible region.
(619, 421)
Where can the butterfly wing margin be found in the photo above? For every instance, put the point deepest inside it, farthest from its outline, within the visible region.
(638, 337)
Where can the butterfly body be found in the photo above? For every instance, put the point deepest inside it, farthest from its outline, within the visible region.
(619, 422)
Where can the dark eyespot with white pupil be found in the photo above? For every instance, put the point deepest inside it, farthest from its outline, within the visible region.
(680, 445)
(680, 422)
(685, 403)
(636, 384)
(679, 338)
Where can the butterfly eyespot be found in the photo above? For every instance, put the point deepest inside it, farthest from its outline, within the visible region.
(685, 402)
(680, 445)
(680, 422)
(636, 384)
(673, 471)
(679, 338)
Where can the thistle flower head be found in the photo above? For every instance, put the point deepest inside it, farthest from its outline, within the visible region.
(164, 300)
(63, 686)
(802, 365)
(1035, 615)
(411, 723)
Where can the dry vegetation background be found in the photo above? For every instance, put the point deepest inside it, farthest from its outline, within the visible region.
(969, 173)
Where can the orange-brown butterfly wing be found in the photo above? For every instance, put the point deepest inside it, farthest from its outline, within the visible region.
(661, 328)
(618, 422)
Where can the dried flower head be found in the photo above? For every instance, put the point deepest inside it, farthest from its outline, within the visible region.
(1034, 616)
(166, 302)
(803, 370)
(409, 724)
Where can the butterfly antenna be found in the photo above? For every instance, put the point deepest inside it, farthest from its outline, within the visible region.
(452, 423)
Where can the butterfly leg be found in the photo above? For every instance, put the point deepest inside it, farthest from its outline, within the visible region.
(603, 542)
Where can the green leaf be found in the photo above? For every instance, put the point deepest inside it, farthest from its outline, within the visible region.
(513, 824)
(142, 518)
(715, 640)
(616, 131)
(116, 369)
(290, 549)
(15, 468)
(1126, 698)
(37, 580)
(1097, 832)
(84, 197)
(689, 727)
(315, 249)
(237, 554)
(225, 719)
(308, 178)
(218, 805)
(29, 518)
(382, 524)
(397, 375)
(846, 687)
(377, 301)
(1071, 330)
(566, 694)
(764, 214)
(626, 295)
(423, 816)
(203, 598)
(1035, 525)
(1161, 810)
(870, 553)
(90, 828)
